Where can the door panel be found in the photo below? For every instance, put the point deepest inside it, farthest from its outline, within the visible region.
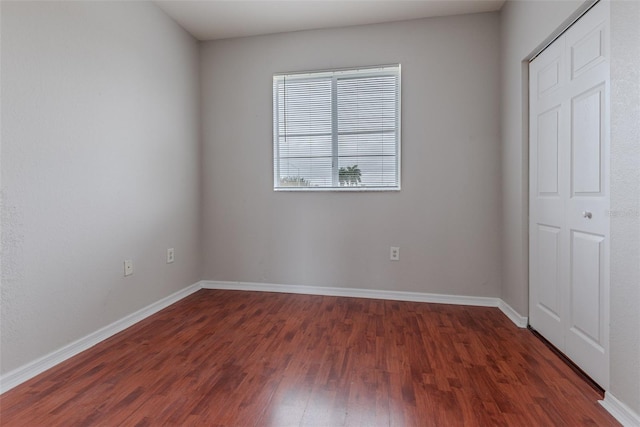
(588, 51)
(548, 134)
(549, 77)
(586, 142)
(586, 286)
(587, 338)
(549, 297)
(547, 192)
(569, 193)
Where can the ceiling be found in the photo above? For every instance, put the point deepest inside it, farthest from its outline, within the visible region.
(216, 19)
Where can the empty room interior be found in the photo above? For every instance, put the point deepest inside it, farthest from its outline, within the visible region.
(320, 213)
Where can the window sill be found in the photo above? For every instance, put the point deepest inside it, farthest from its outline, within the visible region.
(337, 189)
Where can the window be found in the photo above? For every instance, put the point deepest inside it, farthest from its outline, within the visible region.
(337, 130)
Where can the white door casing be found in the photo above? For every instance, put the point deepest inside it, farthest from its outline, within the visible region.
(569, 193)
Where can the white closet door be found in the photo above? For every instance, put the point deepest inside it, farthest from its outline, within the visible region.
(569, 193)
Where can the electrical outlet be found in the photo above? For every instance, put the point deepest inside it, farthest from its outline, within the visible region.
(128, 267)
(394, 254)
(170, 255)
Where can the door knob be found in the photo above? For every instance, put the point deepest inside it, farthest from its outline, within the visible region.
(587, 214)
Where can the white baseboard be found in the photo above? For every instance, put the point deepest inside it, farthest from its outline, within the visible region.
(625, 415)
(621, 412)
(516, 318)
(31, 369)
(353, 292)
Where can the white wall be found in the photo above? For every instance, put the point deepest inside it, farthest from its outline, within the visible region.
(446, 219)
(625, 202)
(100, 149)
(525, 25)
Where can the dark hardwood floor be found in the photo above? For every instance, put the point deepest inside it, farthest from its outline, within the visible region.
(230, 358)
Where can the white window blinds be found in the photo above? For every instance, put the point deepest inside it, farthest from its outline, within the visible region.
(337, 130)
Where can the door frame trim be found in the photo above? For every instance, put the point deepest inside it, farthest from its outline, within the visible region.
(584, 8)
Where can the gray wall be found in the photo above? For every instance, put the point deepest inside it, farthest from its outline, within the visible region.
(101, 161)
(446, 219)
(524, 26)
(100, 145)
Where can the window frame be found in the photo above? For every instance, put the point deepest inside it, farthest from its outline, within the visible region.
(334, 74)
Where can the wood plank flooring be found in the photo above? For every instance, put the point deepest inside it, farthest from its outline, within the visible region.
(231, 358)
